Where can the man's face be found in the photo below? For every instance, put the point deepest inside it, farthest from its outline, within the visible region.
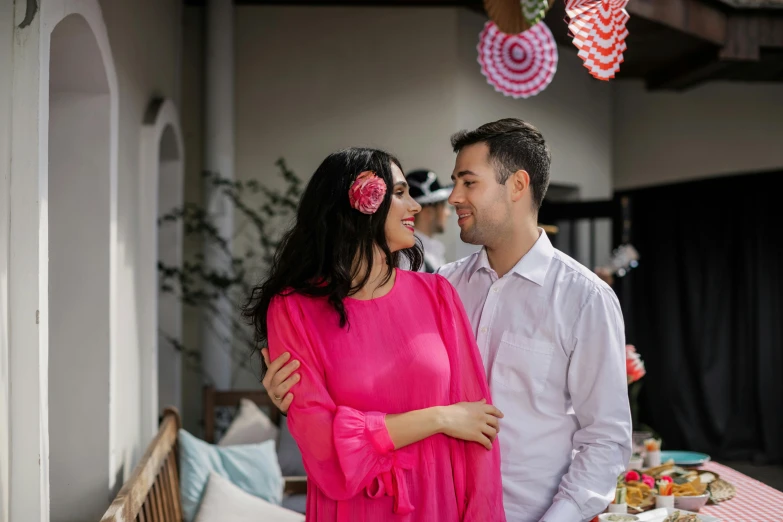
(482, 204)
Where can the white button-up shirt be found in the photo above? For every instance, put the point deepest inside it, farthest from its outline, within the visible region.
(552, 339)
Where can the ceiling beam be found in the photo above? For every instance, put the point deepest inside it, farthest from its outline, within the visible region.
(689, 16)
(754, 4)
(739, 34)
(747, 34)
(355, 3)
(733, 30)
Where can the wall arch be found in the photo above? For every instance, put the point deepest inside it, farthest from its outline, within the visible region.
(161, 190)
(82, 246)
(46, 182)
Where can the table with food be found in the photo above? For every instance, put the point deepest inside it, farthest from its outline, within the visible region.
(689, 487)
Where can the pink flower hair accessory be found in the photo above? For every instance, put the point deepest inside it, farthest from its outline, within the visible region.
(367, 192)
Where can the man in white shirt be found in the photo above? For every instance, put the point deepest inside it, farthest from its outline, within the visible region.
(549, 330)
(425, 188)
(550, 333)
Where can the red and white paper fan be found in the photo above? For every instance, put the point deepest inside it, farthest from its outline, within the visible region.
(599, 32)
(520, 65)
(515, 16)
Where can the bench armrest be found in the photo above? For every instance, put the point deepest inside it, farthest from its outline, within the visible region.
(295, 485)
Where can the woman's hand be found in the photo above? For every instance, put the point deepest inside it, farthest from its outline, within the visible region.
(279, 379)
(471, 421)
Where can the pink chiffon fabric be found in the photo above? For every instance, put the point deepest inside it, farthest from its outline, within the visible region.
(410, 349)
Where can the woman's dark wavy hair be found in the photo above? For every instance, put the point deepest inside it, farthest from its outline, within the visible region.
(320, 256)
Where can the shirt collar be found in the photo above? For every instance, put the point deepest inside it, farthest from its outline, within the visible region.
(533, 265)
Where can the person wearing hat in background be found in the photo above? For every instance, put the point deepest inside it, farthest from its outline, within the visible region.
(432, 196)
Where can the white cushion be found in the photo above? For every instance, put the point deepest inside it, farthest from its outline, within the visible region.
(250, 426)
(224, 502)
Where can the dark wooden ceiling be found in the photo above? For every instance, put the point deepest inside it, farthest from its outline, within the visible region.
(757, 4)
(672, 44)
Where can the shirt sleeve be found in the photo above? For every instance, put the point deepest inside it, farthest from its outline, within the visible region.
(599, 393)
(344, 450)
(477, 470)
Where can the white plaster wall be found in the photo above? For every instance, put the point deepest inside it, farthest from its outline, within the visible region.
(79, 261)
(78, 148)
(145, 42)
(170, 196)
(712, 130)
(160, 191)
(574, 113)
(28, 480)
(169, 306)
(28, 251)
(6, 36)
(310, 81)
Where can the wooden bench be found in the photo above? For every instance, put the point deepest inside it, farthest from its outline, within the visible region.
(151, 494)
(230, 398)
(216, 398)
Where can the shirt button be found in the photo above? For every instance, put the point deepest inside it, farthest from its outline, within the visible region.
(484, 330)
(496, 290)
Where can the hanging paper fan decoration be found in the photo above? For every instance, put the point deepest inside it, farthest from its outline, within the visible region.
(599, 32)
(516, 16)
(534, 10)
(521, 65)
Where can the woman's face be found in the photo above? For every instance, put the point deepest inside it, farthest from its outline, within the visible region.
(399, 220)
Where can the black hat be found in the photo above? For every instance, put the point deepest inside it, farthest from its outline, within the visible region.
(425, 187)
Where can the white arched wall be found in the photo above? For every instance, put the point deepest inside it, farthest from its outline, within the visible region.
(6, 35)
(63, 263)
(161, 190)
(79, 273)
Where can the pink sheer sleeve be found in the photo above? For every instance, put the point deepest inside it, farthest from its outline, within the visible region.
(480, 477)
(344, 450)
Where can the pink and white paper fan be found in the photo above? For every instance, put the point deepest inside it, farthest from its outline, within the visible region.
(520, 65)
(599, 32)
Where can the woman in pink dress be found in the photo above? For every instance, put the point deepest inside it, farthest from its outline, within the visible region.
(392, 412)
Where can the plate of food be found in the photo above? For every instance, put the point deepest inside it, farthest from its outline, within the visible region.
(685, 458)
(617, 517)
(688, 486)
(674, 515)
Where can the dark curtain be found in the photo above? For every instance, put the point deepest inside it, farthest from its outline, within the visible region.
(705, 310)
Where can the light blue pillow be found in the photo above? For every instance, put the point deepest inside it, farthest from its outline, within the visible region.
(251, 467)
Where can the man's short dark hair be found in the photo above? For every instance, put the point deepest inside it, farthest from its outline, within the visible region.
(513, 145)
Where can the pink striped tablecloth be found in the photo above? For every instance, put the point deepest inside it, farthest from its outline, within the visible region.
(754, 502)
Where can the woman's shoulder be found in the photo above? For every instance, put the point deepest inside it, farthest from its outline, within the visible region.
(285, 297)
(291, 299)
(282, 304)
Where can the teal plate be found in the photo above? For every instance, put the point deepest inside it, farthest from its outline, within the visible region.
(684, 458)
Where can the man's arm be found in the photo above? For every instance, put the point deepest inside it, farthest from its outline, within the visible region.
(470, 421)
(599, 393)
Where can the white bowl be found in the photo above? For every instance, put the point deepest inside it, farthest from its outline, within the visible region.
(692, 503)
(620, 517)
(635, 463)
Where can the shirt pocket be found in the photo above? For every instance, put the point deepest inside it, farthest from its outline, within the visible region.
(522, 363)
